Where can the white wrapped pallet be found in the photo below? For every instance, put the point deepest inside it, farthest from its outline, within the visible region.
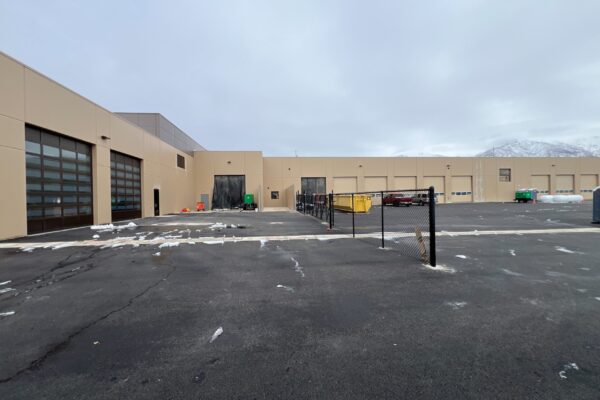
(560, 198)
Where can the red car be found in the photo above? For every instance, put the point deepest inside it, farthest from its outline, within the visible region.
(397, 199)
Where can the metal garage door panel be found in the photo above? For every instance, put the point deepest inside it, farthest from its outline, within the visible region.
(588, 183)
(565, 184)
(541, 183)
(344, 184)
(405, 182)
(439, 184)
(462, 189)
(375, 184)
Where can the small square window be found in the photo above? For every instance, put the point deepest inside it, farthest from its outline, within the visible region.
(275, 195)
(180, 161)
(505, 174)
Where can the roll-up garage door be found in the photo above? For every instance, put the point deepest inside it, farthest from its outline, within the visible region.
(126, 187)
(565, 184)
(541, 183)
(228, 191)
(59, 181)
(462, 189)
(344, 184)
(375, 184)
(405, 182)
(439, 184)
(588, 184)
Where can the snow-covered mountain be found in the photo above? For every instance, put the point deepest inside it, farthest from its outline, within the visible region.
(532, 148)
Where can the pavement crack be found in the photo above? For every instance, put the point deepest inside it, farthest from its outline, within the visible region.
(57, 348)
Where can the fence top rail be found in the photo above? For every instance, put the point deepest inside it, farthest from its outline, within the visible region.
(384, 191)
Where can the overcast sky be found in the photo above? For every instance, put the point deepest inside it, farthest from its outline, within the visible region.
(364, 78)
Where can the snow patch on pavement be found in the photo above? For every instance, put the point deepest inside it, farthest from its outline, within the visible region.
(297, 267)
(461, 256)
(440, 268)
(7, 313)
(288, 288)
(5, 283)
(567, 367)
(564, 250)
(456, 305)
(2, 291)
(168, 244)
(217, 333)
(512, 253)
(509, 272)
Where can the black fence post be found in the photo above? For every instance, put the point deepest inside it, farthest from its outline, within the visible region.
(332, 208)
(382, 224)
(304, 203)
(330, 201)
(431, 199)
(353, 229)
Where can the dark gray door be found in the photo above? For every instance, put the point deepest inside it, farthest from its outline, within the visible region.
(313, 185)
(229, 191)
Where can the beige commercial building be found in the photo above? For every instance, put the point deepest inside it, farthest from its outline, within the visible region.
(66, 161)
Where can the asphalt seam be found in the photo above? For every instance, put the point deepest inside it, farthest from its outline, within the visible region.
(57, 348)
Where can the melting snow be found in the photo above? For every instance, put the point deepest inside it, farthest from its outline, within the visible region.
(460, 256)
(27, 249)
(96, 237)
(263, 242)
(62, 245)
(440, 268)
(7, 313)
(564, 250)
(217, 333)
(5, 283)
(512, 253)
(214, 242)
(168, 244)
(288, 288)
(567, 367)
(456, 304)
(509, 272)
(597, 298)
(297, 267)
(218, 225)
(156, 254)
(2, 291)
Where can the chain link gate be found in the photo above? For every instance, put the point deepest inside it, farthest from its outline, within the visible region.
(401, 219)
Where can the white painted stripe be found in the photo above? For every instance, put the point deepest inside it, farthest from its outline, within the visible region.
(132, 241)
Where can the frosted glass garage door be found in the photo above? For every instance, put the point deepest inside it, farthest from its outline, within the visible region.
(405, 182)
(462, 189)
(588, 183)
(344, 184)
(565, 184)
(541, 183)
(439, 184)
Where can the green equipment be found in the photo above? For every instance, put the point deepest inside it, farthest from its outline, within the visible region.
(525, 195)
(249, 202)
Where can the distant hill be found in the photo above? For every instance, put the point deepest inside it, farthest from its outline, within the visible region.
(532, 148)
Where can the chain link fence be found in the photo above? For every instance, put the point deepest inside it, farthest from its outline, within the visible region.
(400, 219)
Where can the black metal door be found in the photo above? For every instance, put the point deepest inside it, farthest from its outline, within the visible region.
(313, 185)
(156, 202)
(229, 191)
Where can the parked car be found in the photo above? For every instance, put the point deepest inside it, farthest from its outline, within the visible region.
(397, 199)
(420, 199)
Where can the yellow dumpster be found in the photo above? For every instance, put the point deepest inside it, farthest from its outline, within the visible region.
(343, 202)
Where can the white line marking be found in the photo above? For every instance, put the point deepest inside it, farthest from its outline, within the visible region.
(374, 235)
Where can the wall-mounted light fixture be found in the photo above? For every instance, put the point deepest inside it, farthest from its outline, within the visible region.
(104, 137)
(228, 162)
(359, 165)
(447, 166)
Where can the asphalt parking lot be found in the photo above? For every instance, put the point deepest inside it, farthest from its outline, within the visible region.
(131, 314)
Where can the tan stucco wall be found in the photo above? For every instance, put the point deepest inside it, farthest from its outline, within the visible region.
(26, 96)
(211, 163)
(281, 173)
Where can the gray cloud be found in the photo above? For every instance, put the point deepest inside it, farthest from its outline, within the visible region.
(327, 78)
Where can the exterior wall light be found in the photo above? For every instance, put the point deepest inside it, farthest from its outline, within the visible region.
(104, 137)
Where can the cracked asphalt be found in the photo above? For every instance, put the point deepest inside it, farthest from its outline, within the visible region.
(336, 319)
